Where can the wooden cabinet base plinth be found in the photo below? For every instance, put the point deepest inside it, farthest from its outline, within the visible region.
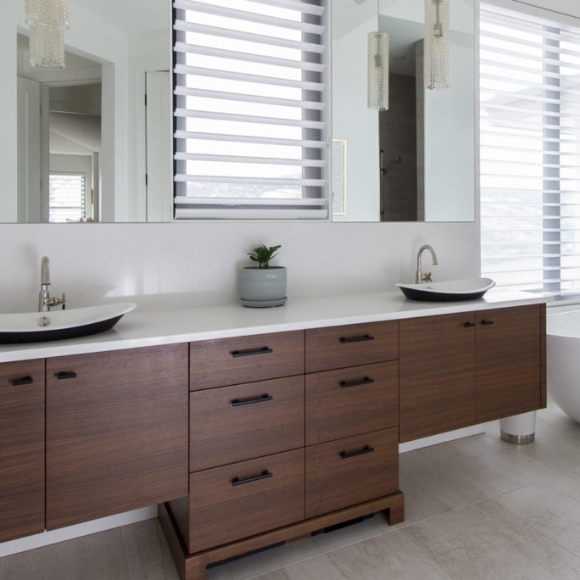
(193, 566)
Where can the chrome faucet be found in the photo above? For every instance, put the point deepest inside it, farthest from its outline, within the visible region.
(45, 302)
(421, 278)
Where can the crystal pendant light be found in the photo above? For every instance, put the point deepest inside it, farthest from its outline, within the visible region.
(378, 71)
(47, 21)
(436, 44)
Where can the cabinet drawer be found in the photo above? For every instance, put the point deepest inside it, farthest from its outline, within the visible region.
(241, 422)
(356, 344)
(351, 471)
(350, 401)
(243, 499)
(231, 361)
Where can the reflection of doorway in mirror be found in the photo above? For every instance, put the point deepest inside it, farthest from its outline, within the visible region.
(398, 148)
(339, 177)
(74, 146)
(59, 134)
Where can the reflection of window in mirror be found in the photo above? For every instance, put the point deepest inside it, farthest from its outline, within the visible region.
(67, 201)
(250, 110)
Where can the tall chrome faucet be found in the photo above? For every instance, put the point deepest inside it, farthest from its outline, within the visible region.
(421, 278)
(45, 302)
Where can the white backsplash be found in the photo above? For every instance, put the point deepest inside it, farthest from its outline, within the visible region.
(196, 264)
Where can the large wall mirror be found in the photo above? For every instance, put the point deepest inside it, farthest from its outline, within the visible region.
(415, 161)
(100, 127)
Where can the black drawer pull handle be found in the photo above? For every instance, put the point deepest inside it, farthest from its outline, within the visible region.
(487, 322)
(263, 350)
(264, 475)
(239, 402)
(27, 380)
(365, 449)
(365, 381)
(363, 338)
(66, 375)
(468, 325)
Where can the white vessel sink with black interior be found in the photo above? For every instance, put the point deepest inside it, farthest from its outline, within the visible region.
(60, 324)
(448, 291)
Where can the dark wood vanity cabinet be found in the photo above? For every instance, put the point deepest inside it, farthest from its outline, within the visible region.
(116, 432)
(463, 369)
(289, 433)
(255, 440)
(21, 449)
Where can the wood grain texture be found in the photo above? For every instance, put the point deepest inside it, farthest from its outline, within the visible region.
(333, 482)
(117, 434)
(509, 355)
(220, 512)
(193, 566)
(21, 449)
(543, 371)
(214, 365)
(437, 375)
(334, 411)
(222, 433)
(325, 351)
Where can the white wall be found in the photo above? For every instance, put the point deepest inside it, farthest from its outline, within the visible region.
(183, 264)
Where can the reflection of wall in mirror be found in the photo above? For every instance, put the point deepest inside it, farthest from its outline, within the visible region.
(355, 123)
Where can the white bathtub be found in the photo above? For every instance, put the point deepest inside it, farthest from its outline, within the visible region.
(563, 359)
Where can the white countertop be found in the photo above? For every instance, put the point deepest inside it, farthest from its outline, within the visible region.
(155, 327)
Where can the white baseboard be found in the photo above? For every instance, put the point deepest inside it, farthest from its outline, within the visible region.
(77, 531)
(442, 438)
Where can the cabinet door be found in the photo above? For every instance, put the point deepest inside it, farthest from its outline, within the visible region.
(437, 374)
(510, 353)
(21, 449)
(116, 432)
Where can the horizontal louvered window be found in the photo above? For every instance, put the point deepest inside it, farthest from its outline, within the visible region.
(250, 109)
(530, 151)
(67, 197)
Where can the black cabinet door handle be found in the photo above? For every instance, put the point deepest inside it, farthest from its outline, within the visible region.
(468, 325)
(27, 380)
(365, 449)
(251, 352)
(264, 475)
(365, 381)
(487, 322)
(66, 375)
(363, 338)
(250, 401)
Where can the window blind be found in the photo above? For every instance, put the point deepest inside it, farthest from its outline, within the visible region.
(67, 197)
(529, 151)
(250, 109)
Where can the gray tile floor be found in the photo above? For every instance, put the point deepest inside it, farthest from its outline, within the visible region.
(476, 508)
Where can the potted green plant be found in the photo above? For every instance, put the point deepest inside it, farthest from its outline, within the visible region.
(263, 285)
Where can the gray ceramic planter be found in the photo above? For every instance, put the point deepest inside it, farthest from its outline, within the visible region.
(263, 287)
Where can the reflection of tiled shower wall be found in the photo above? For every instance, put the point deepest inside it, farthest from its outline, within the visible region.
(420, 114)
(397, 136)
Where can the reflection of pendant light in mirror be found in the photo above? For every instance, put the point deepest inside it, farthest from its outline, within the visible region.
(47, 20)
(436, 44)
(378, 71)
